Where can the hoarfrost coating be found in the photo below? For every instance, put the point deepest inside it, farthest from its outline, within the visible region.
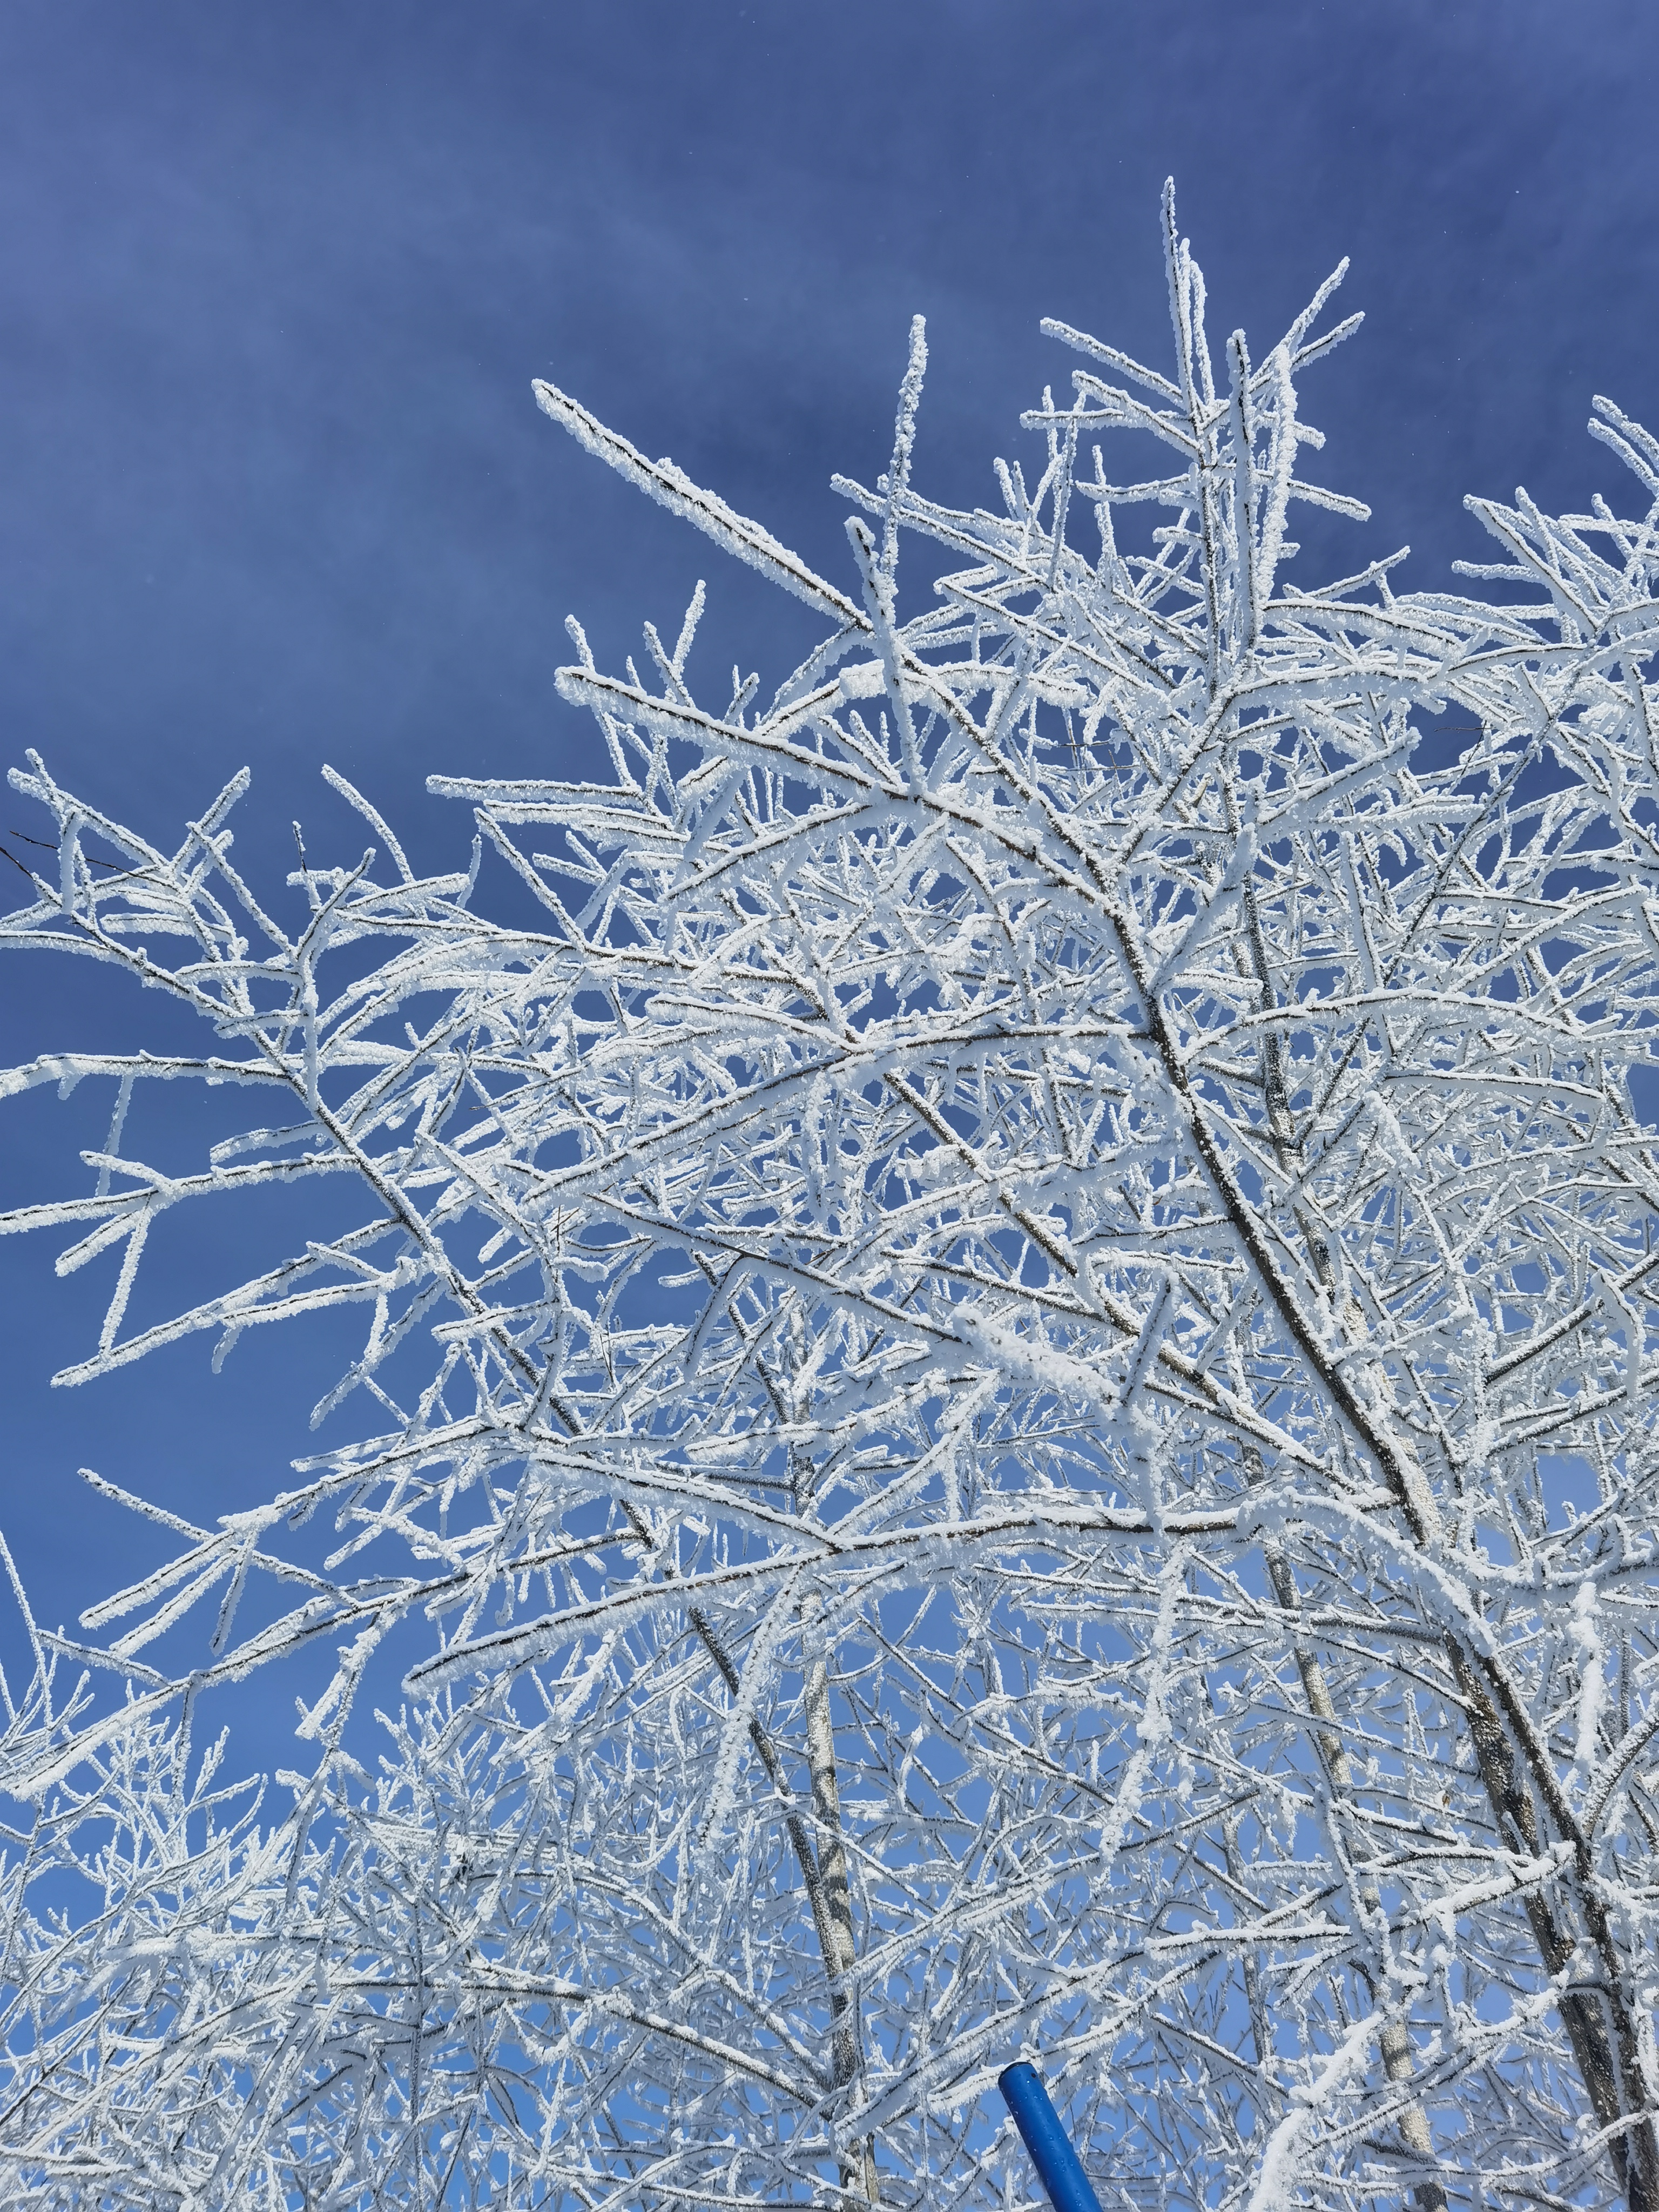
(966, 1328)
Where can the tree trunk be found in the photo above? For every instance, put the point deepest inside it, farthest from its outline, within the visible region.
(824, 1870)
(859, 2171)
(1599, 2021)
(1395, 2040)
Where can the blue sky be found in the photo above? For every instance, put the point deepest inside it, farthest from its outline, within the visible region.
(274, 281)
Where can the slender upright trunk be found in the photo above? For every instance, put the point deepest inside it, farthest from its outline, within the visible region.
(1599, 2018)
(824, 1868)
(827, 1889)
(841, 1954)
(1395, 2040)
(1597, 2014)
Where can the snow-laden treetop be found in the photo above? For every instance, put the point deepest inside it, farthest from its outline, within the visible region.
(977, 1306)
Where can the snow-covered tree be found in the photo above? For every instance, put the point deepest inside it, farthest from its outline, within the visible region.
(983, 1301)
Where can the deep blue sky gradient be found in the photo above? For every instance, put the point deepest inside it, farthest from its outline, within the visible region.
(274, 281)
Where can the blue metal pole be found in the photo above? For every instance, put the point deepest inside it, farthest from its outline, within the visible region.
(1058, 2165)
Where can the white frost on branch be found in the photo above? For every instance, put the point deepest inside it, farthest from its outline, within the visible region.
(975, 1310)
